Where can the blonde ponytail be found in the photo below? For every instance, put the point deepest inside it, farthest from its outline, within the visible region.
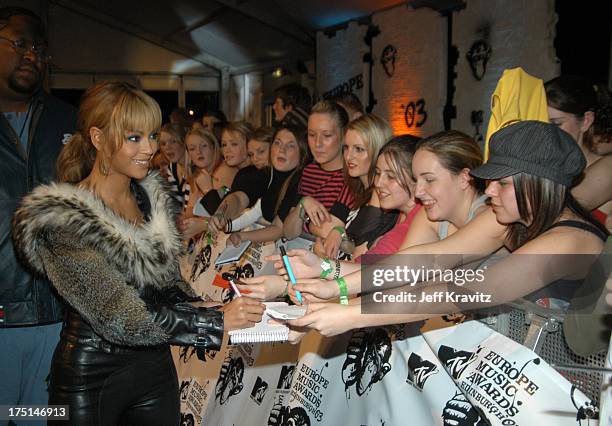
(76, 159)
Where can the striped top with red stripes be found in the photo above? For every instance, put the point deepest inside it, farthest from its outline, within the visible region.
(328, 188)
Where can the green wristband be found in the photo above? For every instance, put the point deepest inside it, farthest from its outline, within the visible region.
(326, 268)
(343, 291)
(340, 230)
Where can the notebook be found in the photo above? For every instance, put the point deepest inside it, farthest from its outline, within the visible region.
(231, 253)
(262, 331)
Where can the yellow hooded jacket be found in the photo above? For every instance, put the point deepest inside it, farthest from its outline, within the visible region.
(517, 97)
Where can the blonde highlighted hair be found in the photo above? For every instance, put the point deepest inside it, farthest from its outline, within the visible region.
(114, 107)
(335, 111)
(212, 141)
(178, 134)
(375, 132)
(244, 128)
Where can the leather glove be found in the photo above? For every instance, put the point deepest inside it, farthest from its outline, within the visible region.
(188, 325)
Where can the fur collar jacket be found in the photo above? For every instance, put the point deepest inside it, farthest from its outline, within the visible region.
(102, 265)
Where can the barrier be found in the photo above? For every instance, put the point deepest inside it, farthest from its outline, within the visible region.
(377, 376)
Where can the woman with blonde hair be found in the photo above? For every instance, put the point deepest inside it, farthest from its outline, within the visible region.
(204, 156)
(106, 238)
(367, 221)
(532, 168)
(234, 138)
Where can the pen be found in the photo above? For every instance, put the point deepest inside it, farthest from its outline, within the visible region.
(290, 272)
(235, 288)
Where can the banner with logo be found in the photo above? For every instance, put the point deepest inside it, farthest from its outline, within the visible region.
(464, 374)
(508, 383)
(221, 379)
(372, 376)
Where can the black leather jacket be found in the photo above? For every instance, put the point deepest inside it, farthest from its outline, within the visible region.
(26, 299)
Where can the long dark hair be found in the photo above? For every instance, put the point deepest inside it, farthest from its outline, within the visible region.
(578, 95)
(300, 137)
(547, 200)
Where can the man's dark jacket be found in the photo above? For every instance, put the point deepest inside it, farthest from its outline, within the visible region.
(26, 299)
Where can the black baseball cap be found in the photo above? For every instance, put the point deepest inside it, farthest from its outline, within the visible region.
(533, 147)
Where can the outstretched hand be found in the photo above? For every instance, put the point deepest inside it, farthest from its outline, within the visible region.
(263, 287)
(312, 291)
(329, 319)
(304, 264)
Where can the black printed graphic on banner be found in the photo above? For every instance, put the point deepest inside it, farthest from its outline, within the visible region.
(286, 375)
(285, 416)
(226, 295)
(187, 419)
(201, 263)
(239, 271)
(184, 390)
(459, 412)
(259, 390)
(230, 379)
(186, 352)
(419, 370)
(456, 361)
(367, 359)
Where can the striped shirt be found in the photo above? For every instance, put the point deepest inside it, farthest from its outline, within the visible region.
(177, 183)
(328, 188)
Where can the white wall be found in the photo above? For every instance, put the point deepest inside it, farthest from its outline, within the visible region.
(420, 69)
(339, 58)
(521, 33)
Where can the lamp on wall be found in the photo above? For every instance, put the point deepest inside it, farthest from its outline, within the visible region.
(279, 72)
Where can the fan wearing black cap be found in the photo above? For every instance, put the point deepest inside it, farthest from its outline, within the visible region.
(531, 170)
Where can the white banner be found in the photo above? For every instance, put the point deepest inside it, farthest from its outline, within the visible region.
(460, 375)
(507, 382)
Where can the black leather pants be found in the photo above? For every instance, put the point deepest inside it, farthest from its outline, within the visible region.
(106, 384)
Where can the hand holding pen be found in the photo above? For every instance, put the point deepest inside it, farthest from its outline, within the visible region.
(285, 260)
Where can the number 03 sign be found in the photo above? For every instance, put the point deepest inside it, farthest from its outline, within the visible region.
(414, 113)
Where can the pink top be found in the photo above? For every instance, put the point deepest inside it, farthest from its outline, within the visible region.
(391, 242)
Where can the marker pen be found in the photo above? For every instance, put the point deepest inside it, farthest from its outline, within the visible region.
(290, 272)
